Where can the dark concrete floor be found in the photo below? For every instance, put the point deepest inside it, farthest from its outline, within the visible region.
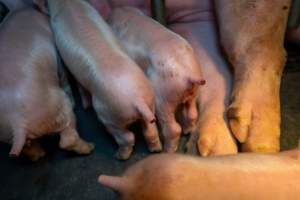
(64, 175)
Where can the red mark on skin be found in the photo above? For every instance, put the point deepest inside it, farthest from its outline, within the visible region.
(198, 82)
(202, 82)
(103, 7)
(153, 121)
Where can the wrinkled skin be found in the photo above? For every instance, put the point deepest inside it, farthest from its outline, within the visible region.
(170, 64)
(31, 102)
(121, 94)
(233, 177)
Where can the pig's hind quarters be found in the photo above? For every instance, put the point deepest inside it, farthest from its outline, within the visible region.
(176, 81)
(117, 123)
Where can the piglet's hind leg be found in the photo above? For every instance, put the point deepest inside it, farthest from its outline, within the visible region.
(125, 139)
(70, 140)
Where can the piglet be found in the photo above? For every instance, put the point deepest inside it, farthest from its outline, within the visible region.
(170, 64)
(31, 102)
(237, 177)
(121, 94)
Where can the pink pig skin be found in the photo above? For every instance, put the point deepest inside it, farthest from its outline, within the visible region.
(31, 102)
(170, 64)
(245, 176)
(121, 94)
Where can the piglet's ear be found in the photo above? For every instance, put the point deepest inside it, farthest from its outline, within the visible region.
(42, 5)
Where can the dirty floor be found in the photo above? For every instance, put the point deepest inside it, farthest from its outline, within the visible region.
(64, 176)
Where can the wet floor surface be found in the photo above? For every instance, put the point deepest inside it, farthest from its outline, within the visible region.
(64, 176)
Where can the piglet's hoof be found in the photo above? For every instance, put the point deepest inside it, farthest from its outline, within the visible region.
(124, 153)
(83, 148)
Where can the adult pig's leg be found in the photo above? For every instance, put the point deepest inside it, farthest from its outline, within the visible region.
(252, 34)
(212, 134)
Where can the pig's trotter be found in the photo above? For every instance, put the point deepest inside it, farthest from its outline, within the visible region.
(215, 138)
(125, 139)
(239, 121)
(171, 132)
(152, 137)
(189, 116)
(124, 152)
(33, 150)
(70, 140)
(258, 59)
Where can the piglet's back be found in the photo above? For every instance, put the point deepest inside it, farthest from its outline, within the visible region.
(18, 47)
(82, 34)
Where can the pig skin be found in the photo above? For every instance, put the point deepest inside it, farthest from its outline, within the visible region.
(246, 176)
(169, 63)
(121, 94)
(31, 102)
(195, 21)
(252, 35)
